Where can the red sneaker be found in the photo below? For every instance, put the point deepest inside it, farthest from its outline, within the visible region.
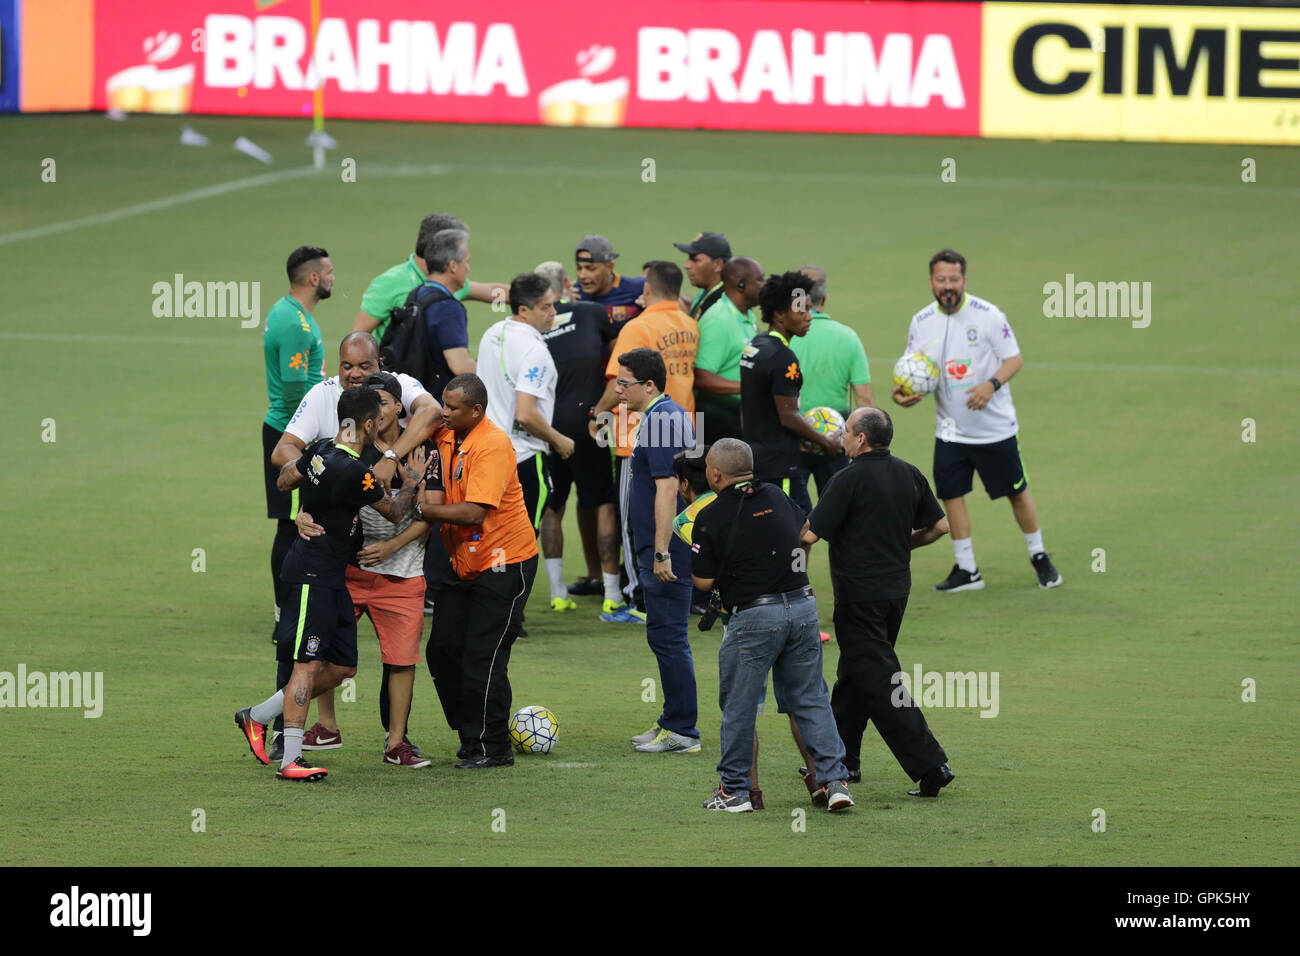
(825, 637)
(254, 733)
(403, 756)
(298, 770)
(318, 738)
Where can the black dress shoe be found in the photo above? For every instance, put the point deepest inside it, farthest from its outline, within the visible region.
(479, 763)
(587, 587)
(933, 782)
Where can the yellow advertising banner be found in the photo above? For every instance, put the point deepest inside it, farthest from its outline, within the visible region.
(1186, 74)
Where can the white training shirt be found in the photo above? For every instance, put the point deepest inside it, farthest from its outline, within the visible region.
(968, 346)
(317, 415)
(513, 356)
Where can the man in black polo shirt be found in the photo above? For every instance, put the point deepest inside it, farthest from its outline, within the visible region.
(770, 381)
(318, 625)
(579, 342)
(875, 513)
(746, 541)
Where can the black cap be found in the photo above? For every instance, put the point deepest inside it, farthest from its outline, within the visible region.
(712, 244)
(390, 384)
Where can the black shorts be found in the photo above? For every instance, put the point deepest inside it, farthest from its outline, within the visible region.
(998, 463)
(316, 624)
(535, 480)
(279, 504)
(590, 467)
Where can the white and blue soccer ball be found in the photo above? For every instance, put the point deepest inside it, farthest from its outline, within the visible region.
(533, 730)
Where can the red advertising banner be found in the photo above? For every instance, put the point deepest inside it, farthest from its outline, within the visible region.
(816, 67)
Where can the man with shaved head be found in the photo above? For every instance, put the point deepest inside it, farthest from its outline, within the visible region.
(875, 513)
(725, 329)
(746, 543)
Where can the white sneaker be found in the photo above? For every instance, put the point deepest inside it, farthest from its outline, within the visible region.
(646, 737)
(668, 742)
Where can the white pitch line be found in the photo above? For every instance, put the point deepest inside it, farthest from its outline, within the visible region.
(167, 202)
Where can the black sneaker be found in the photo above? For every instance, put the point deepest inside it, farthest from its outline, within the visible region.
(1048, 576)
(959, 580)
(276, 750)
(587, 587)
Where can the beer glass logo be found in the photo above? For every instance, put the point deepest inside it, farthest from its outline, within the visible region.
(152, 86)
(587, 100)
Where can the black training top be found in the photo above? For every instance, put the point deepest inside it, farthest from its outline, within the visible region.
(337, 484)
(765, 558)
(579, 338)
(768, 368)
(868, 513)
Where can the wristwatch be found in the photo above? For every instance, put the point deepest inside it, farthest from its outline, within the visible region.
(661, 556)
(389, 453)
(996, 384)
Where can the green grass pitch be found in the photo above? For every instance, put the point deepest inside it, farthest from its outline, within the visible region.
(1121, 691)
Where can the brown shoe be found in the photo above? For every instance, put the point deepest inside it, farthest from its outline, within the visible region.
(756, 798)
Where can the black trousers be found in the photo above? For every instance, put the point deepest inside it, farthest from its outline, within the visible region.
(864, 690)
(475, 623)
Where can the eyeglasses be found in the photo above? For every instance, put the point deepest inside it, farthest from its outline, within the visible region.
(622, 384)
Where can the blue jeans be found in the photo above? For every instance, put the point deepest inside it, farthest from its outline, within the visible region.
(784, 639)
(667, 617)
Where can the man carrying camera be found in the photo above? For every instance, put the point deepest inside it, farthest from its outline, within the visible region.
(747, 543)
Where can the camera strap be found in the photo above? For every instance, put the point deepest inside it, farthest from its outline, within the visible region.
(735, 524)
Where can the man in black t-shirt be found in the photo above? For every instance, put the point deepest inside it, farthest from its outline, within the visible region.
(318, 626)
(579, 342)
(770, 381)
(875, 513)
(746, 541)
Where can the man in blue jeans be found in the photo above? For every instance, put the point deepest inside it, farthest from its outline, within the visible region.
(747, 543)
(664, 430)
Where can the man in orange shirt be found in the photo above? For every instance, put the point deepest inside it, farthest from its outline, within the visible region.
(672, 333)
(479, 601)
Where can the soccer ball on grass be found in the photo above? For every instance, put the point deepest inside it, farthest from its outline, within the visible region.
(533, 730)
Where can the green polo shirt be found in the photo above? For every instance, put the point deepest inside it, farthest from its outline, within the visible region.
(388, 291)
(295, 359)
(832, 358)
(724, 333)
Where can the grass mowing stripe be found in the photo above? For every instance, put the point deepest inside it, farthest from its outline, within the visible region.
(1077, 368)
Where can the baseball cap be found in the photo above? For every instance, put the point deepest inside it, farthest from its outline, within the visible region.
(597, 248)
(390, 384)
(712, 244)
